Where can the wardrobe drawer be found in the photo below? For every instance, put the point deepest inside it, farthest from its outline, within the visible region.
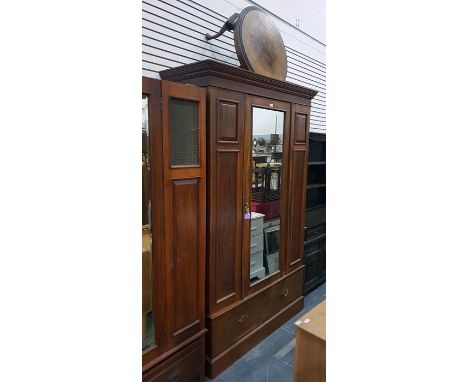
(240, 320)
(256, 244)
(235, 323)
(285, 292)
(184, 366)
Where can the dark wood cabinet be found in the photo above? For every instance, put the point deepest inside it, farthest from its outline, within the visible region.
(174, 238)
(257, 136)
(315, 222)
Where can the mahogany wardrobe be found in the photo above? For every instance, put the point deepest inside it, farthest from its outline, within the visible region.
(231, 215)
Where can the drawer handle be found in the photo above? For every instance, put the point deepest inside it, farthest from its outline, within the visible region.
(253, 245)
(174, 376)
(285, 292)
(243, 318)
(253, 228)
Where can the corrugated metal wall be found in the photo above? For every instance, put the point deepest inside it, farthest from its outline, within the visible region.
(173, 35)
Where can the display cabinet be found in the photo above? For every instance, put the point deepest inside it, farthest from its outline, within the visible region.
(257, 147)
(173, 232)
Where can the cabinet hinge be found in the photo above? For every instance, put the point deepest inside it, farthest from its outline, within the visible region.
(160, 103)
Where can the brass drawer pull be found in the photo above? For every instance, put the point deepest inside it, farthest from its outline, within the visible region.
(243, 318)
(174, 376)
(285, 292)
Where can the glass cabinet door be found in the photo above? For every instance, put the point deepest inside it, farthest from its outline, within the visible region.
(147, 303)
(267, 178)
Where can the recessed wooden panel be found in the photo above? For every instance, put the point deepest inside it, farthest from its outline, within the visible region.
(297, 207)
(185, 218)
(227, 121)
(227, 216)
(300, 126)
(225, 134)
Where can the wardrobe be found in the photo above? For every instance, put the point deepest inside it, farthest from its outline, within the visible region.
(257, 131)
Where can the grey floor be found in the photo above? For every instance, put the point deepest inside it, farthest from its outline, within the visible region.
(272, 360)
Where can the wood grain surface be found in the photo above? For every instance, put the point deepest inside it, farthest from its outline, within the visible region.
(259, 44)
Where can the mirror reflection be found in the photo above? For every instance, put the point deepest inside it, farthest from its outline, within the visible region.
(147, 314)
(267, 151)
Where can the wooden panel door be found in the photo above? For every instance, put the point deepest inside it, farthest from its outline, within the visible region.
(183, 122)
(297, 180)
(226, 142)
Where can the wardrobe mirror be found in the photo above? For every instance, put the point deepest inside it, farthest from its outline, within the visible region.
(148, 314)
(266, 179)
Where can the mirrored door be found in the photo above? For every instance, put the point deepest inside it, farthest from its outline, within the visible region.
(153, 310)
(265, 207)
(147, 303)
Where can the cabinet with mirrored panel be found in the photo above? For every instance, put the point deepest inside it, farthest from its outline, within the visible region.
(257, 147)
(173, 231)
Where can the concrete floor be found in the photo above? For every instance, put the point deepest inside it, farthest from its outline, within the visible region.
(272, 360)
